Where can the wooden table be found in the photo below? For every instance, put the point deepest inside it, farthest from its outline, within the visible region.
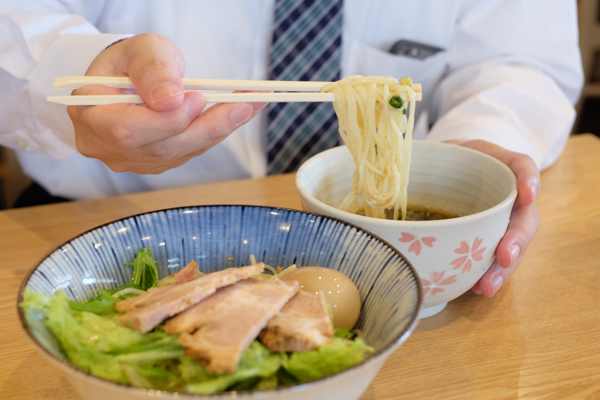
(539, 337)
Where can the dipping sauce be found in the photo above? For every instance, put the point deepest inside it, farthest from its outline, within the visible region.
(420, 213)
(340, 292)
(415, 213)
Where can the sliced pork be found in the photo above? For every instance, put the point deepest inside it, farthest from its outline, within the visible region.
(302, 324)
(144, 312)
(217, 330)
(188, 273)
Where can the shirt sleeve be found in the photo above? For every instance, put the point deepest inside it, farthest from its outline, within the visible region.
(514, 74)
(35, 48)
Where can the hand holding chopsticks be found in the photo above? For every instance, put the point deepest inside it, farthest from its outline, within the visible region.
(292, 91)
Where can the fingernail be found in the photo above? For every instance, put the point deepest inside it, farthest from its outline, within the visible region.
(164, 90)
(533, 186)
(256, 107)
(196, 105)
(497, 282)
(241, 113)
(515, 251)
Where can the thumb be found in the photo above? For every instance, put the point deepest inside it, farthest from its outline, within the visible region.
(155, 67)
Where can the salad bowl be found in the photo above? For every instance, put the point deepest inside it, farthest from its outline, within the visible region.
(225, 236)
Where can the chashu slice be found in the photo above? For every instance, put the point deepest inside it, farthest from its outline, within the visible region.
(217, 330)
(188, 273)
(144, 312)
(302, 324)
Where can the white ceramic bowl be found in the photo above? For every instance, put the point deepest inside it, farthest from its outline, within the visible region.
(449, 255)
(219, 237)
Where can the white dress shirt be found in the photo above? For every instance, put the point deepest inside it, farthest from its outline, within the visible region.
(509, 73)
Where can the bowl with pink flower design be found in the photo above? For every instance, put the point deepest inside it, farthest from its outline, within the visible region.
(450, 255)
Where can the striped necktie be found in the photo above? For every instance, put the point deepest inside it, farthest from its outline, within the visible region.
(307, 39)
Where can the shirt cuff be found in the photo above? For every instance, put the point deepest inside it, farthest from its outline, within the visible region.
(493, 130)
(69, 55)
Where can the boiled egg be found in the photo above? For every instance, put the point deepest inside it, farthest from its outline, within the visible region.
(340, 292)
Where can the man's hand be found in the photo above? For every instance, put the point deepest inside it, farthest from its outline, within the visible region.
(166, 133)
(524, 219)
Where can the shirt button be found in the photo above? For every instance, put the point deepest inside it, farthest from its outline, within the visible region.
(22, 142)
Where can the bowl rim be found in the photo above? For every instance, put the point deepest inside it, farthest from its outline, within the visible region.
(508, 200)
(396, 342)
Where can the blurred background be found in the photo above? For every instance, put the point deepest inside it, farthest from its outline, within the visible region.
(12, 180)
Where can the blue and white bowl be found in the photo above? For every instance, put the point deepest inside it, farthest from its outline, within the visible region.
(219, 237)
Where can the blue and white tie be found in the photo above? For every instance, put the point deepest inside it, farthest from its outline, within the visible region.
(307, 39)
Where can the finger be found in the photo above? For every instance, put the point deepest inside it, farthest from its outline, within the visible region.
(143, 167)
(511, 250)
(153, 62)
(129, 126)
(156, 73)
(524, 223)
(523, 166)
(116, 130)
(211, 128)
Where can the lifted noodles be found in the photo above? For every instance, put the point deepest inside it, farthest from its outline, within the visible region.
(376, 117)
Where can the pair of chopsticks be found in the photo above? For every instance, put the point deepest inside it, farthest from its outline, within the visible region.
(298, 91)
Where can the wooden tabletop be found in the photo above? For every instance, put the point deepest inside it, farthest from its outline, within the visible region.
(539, 337)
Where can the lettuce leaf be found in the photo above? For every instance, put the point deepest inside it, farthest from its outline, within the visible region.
(326, 360)
(99, 344)
(76, 341)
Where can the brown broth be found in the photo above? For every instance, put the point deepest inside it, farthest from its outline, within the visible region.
(421, 213)
(415, 213)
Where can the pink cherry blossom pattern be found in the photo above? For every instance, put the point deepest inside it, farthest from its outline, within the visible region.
(415, 246)
(474, 253)
(433, 286)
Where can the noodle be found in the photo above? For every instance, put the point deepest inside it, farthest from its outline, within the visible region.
(376, 126)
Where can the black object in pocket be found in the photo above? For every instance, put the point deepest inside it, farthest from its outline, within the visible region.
(412, 49)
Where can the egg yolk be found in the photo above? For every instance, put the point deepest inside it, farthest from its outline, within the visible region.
(340, 292)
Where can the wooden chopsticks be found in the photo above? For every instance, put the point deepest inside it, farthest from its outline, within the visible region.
(298, 91)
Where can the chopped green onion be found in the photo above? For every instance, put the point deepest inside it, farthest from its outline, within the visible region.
(396, 102)
(404, 111)
(376, 150)
(406, 81)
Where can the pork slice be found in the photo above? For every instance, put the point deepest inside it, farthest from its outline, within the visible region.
(302, 324)
(156, 305)
(217, 330)
(188, 273)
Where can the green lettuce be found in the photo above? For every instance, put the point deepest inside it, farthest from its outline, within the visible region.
(326, 360)
(77, 341)
(99, 344)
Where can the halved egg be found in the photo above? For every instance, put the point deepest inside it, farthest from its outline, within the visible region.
(340, 292)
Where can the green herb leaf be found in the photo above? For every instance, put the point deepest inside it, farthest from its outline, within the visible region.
(102, 304)
(145, 272)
